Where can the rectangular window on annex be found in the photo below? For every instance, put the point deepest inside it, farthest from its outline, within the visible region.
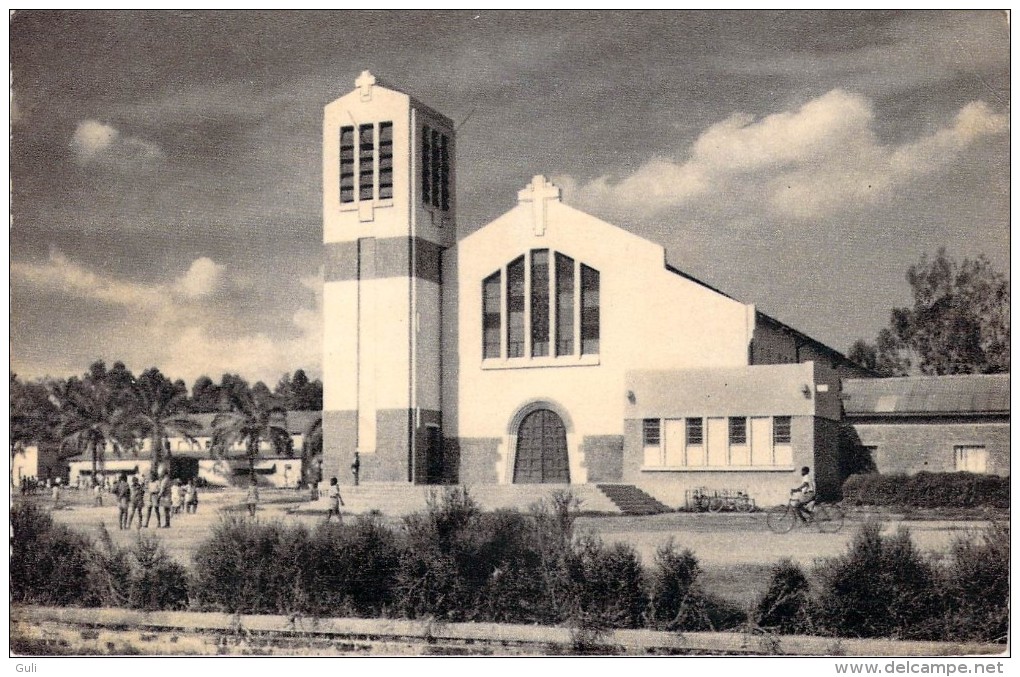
(651, 439)
(539, 302)
(564, 305)
(651, 432)
(589, 311)
(491, 315)
(346, 164)
(971, 458)
(781, 430)
(366, 162)
(738, 430)
(515, 307)
(695, 432)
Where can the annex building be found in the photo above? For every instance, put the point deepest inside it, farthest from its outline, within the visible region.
(548, 346)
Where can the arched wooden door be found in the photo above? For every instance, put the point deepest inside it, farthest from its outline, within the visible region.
(541, 449)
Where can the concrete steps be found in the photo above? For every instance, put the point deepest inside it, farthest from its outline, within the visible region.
(632, 501)
(402, 499)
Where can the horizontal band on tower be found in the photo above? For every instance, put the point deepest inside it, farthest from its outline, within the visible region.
(394, 257)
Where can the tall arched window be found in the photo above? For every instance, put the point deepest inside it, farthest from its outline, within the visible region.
(546, 315)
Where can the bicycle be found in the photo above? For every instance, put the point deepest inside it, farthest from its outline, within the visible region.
(827, 517)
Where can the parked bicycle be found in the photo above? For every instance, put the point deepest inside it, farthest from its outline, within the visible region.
(701, 500)
(827, 517)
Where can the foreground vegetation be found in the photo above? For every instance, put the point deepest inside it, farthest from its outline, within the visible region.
(453, 562)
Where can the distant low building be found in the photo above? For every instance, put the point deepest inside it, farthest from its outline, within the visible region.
(36, 461)
(195, 457)
(932, 423)
(24, 464)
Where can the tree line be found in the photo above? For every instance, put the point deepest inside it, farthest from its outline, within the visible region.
(959, 323)
(111, 409)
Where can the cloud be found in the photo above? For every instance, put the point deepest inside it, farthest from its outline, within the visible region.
(201, 279)
(802, 164)
(62, 276)
(95, 142)
(177, 326)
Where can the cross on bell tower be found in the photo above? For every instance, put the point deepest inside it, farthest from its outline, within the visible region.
(364, 84)
(537, 192)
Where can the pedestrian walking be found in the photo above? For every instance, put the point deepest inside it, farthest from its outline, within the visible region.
(252, 498)
(335, 500)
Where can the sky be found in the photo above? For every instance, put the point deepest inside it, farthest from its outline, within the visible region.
(166, 166)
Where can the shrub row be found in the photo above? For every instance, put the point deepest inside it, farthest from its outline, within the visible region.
(453, 562)
(884, 587)
(51, 564)
(928, 490)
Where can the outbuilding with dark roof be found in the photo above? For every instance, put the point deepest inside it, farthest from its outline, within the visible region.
(932, 423)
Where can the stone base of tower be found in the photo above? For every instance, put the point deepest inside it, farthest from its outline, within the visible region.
(392, 460)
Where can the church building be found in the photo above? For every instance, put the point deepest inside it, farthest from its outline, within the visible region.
(547, 346)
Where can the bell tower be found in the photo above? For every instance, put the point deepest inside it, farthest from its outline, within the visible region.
(389, 212)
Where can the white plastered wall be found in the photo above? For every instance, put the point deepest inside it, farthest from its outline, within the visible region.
(649, 318)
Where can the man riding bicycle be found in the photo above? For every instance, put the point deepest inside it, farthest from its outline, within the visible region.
(803, 495)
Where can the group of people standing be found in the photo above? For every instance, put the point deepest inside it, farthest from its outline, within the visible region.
(162, 495)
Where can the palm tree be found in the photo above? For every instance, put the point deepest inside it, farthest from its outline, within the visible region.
(90, 420)
(158, 406)
(254, 416)
(33, 416)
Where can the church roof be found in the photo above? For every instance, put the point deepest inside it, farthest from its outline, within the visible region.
(762, 317)
(962, 394)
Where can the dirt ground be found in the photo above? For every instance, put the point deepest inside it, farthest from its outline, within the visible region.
(736, 551)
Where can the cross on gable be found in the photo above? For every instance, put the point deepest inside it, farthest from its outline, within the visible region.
(364, 83)
(537, 192)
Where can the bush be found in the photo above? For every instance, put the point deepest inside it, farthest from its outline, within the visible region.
(672, 588)
(50, 563)
(785, 606)
(246, 567)
(928, 490)
(517, 589)
(977, 587)
(677, 600)
(436, 575)
(459, 563)
(156, 582)
(882, 587)
(607, 585)
(874, 489)
(354, 568)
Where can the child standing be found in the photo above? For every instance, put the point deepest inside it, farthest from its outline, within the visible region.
(176, 496)
(252, 499)
(335, 500)
(123, 493)
(137, 497)
(191, 497)
(153, 494)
